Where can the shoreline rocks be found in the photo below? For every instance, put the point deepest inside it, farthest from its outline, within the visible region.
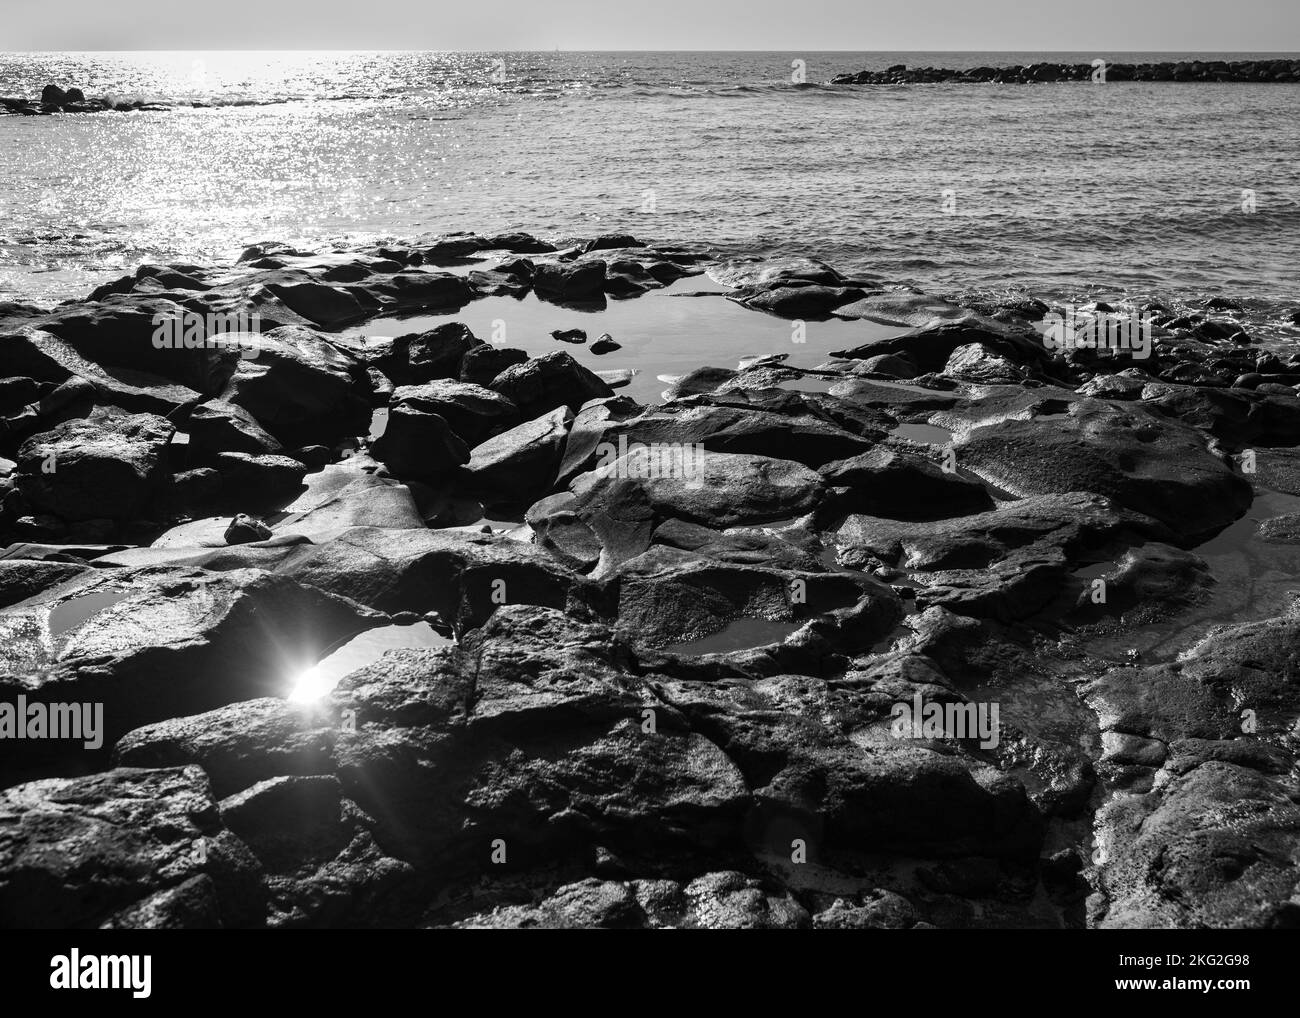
(644, 663)
(54, 99)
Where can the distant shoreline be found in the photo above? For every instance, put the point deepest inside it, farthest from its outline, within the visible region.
(1280, 71)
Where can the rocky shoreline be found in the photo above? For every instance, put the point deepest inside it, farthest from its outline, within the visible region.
(674, 640)
(73, 100)
(1280, 71)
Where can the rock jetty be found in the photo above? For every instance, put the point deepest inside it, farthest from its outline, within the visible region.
(1279, 71)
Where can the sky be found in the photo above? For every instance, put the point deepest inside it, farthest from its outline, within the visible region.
(782, 25)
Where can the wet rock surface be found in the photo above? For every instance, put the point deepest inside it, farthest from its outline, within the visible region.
(302, 626)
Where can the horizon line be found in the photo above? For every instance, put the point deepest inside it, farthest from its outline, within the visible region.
(292, 49)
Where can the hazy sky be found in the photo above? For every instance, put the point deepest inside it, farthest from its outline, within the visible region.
(784, 25)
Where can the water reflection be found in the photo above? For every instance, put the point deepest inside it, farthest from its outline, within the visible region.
(358, 652)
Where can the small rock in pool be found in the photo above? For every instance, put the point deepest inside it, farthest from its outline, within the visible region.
(243, 529)
(1281, 529)
(761, 360)
(570, 335)
(605, 344)
(617, 378)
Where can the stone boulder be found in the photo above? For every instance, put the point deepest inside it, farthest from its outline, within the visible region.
(542, 384)
(419, 444)
(301, 388)
(473, 412)
(126, 847)
(416, 358)
(1148, 464)
(111, 465)
(521, 464)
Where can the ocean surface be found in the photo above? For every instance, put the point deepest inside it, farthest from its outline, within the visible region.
(1064, 190)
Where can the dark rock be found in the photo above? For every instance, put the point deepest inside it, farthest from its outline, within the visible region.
(620, 502)
(330, 307)
(519, 243)
(46, 358)
(120, 332)
(1281, 529)
(23, 578)
(544, 383)
(110, 465)
(981, 365)
(569, 283)
(16, 394)
(194, 488)
(419, 444)
(898, 485)
(219, 426)
(609, 241)
(263, 482)
(1151, 465)
(802, 301)
(415, 290)
(497, 284)
(700, 380)
(300, 388)
(123, 847)
(931, 346)
(473, 412)
(667, 596)
(482, 363)
(1150, 583)
(809, 429)
(1216, 847)
(438, 353)
(244, 529)
(900, 307)
(770, 273)
(1006, 564)
(627, 278)
(237, 745)
(520, 464)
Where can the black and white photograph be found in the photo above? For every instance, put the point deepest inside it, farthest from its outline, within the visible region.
(715, 466)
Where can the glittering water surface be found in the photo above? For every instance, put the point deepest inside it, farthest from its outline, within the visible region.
(1123, 188)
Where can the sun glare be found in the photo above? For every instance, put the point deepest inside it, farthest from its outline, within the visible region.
(310, 684)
